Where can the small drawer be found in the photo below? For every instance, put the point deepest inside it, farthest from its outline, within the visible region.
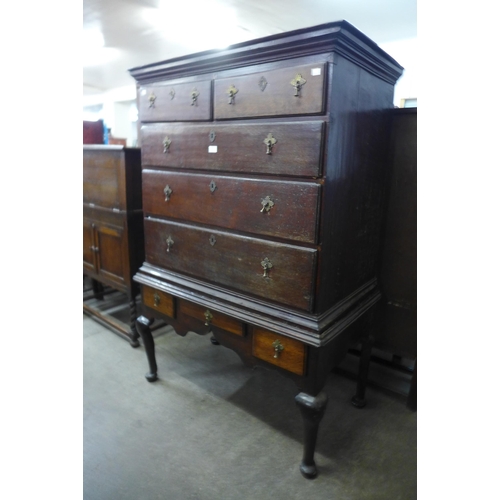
(211, 317)
(295, 90)
(176, 102)
(289, 354)
(158, 300)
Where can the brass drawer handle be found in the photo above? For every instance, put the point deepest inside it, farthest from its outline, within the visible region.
(194, 97)
(278, 347)
(166, 144)
(298, 82)
(267, 204)
(208, 317)
(266, 264)
(231, 92)
(269, 141)
(156, 298)
(167, 190)
(169, 242)
(152, 99)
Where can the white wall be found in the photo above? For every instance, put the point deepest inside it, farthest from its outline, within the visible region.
(405, 53)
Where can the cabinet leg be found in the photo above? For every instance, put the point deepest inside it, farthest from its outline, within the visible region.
(312, 410)
(143, 325)
(358, 400)
(134, 342)
(97, 289)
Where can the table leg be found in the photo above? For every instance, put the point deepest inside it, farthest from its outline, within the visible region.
(358, 400)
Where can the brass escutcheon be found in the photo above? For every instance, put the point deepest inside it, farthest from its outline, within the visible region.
(208, 317)
(166, 144)
(298, 82)
(156, 299)
(262, 83)
(231, 92)
(167, 191)
(278, 347)
(269, 141)
(170, 243)
(266, 264)
(212, 186)
(152, 99)
(212, 240)
(172, 93)
(267, 204)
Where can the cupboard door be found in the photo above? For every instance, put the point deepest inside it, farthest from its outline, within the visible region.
(112, 253)
(88, 247)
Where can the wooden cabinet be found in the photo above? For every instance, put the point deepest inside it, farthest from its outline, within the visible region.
(113, 240)
(264, 169)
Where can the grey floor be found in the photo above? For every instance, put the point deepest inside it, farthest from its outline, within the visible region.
(211, 428)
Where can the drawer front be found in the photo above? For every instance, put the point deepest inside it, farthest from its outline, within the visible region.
(158, 300)
(284, 209)
(210, 317)
(289, 354)
(184, 102)
(103, 178)
(293, 148)
(274, 271)
(295, 90)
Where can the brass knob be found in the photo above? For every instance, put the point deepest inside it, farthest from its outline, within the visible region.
(167, 191)
(169, 242)
(231, 92)
(156, 298)
(166, 144)
(278, 347)
(269, 141)
(298, 82)
(208, 317)
(266, 264)
(267, 204)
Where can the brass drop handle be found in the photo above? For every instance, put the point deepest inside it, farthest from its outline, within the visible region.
(267, 204)
(208, 317)
(278, 347)
(269, 141)
(298, 82)
(152, 99)
(167, 191)
(194, 97)
(266, 264)
(156, 298)
(169, 242)
(166, 144)
(231, 92)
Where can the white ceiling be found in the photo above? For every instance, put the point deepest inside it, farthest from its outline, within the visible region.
(139, 32)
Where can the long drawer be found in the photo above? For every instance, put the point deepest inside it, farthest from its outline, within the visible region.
(274, 271)
(283, 209)
(183, 102)
(295, 90)
(284, 148)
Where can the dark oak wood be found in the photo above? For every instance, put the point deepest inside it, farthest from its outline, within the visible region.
(113, 236)
(235, 203)
(239, 147)
(292, 288)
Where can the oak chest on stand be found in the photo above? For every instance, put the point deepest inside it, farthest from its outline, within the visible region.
(263, 170)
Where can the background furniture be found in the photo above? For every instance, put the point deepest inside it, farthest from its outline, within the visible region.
(113, 241)
(264, 169)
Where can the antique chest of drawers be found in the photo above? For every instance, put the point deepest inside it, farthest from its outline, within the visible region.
(263, 171)
(113, 241)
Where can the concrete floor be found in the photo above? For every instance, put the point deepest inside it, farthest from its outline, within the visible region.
(210, 428)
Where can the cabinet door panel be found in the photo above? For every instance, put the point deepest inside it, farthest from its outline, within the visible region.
(88, 246)
(111, 253)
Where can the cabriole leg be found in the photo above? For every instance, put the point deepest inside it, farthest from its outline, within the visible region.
(312, 410)
(133, 318)
(143, 325)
